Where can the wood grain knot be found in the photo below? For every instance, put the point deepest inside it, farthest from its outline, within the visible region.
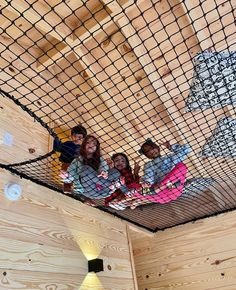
(11, 69)
(138, 78)
(31, 150)
(166, 72)
(106, 42)
(84, 74)
(126, 48)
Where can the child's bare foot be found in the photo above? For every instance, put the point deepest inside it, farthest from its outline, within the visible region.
(158, 188)
(134, 204)
(90, 203)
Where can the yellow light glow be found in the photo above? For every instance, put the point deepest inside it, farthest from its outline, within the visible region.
(91, 281)
(90, 249)
(90, 246)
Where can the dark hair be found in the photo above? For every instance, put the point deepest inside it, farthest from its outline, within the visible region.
(79, 130)
(94, 161)
(126, 159)
(148, 142)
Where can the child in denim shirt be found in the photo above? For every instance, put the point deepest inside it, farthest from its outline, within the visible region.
(159, 166)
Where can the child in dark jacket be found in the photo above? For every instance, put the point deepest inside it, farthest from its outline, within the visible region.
(69, 150)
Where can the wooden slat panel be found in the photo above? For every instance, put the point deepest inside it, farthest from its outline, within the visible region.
(46, 233)
(188, 267)
(193, 256)
(28, 256)
(28, 280)
(62, 211)
(26, 134)
(34, 257)
(40, 280)
(195, 282)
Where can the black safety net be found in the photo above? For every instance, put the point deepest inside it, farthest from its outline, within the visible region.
(152, 80)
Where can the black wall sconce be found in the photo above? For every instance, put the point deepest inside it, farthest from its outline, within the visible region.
(95, 265)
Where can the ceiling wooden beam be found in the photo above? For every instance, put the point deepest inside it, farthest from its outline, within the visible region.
(34, 15)
(197, 24)
(90, 29)
(146, 62)
(98, 77)
(52, 56)
(92, 69)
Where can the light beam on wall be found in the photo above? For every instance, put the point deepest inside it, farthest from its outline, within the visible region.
(91, 281)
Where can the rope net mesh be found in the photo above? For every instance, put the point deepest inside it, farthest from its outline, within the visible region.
(128, 71)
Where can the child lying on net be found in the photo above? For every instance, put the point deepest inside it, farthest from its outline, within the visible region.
(130, 177)
(159, 174)
(159, 166)
(89, 172)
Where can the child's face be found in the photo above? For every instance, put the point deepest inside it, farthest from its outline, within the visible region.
(91, 146)
(120, 162)
(151, 151)
(77, 138)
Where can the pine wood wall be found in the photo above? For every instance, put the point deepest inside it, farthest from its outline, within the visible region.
(46, 240)
(198, 256)
(26, 134)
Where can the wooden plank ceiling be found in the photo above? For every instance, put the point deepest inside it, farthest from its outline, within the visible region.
(122, 68)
